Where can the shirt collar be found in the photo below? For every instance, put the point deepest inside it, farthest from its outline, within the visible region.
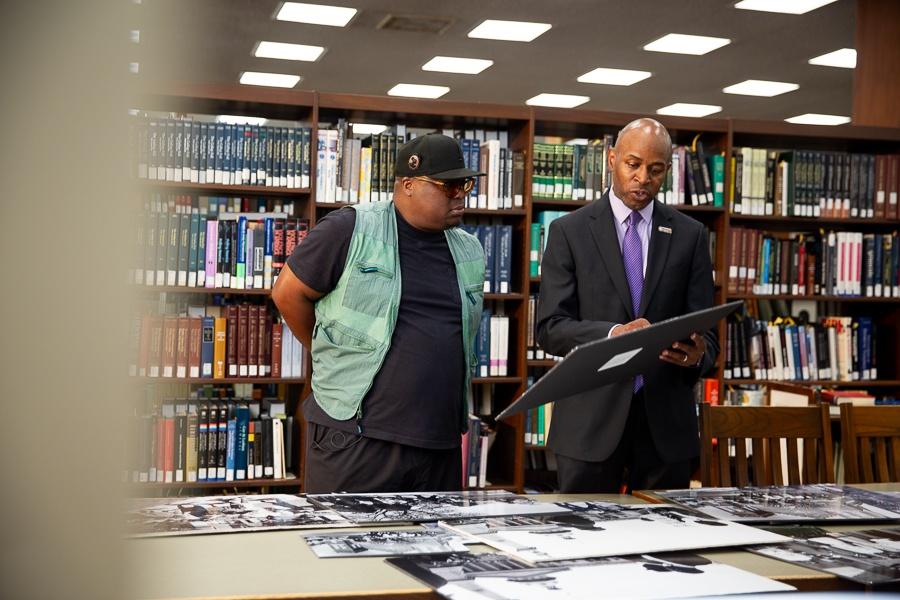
(622, 212)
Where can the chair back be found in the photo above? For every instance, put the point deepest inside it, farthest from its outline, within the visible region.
(787, 445)
(870, 437)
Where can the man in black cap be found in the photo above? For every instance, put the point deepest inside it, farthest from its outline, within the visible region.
(388, 297)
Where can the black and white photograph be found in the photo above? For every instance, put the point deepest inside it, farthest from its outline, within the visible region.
(870, 557)
(496, 576)
(154, 517)
(596, 529)
(416, 507)
(394, 542)
(789, 504)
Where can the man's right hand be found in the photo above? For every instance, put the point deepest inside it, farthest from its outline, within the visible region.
(629, 327)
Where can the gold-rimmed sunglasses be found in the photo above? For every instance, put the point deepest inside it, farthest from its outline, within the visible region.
(451, 188)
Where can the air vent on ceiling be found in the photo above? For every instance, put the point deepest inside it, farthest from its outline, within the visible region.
(416, 23)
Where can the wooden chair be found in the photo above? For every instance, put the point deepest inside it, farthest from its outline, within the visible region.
(765, 427)
(870, 436)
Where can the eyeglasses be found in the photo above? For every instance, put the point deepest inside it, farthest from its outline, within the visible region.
(451, 188)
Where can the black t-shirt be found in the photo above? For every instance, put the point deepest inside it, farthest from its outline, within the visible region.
(416, 397)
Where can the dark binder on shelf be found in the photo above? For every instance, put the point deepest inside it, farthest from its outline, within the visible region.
(613, 359)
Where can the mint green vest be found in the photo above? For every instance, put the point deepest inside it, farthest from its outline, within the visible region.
(355, 321)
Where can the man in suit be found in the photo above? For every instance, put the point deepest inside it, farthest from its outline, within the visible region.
(614, 266)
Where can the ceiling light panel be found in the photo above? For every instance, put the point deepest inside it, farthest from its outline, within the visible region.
(818, 119)
(414, 90)
(605, 76)
(509, 31)
(285, 51)
(680, 43)
(452, 64)
(240, 120)
(557, 100)
(759, 87)
(269, 79)
(791, 7)
(315, 14)
(367, 128)
(844, 58)
(683, 109)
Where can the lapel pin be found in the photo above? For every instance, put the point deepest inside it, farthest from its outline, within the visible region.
(665, 229)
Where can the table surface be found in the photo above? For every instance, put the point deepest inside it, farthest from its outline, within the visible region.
(279, 565)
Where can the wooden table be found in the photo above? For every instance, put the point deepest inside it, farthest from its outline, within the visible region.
(279, 565)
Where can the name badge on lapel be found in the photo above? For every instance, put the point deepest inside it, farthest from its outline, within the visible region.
(665, 229)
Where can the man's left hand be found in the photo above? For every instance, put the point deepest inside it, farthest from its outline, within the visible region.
(685, 354)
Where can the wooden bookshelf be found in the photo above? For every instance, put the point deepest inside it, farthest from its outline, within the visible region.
(506, 464)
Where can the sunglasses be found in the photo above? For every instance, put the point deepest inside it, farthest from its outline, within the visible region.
(451, 188)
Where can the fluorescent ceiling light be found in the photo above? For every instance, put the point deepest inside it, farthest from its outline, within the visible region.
(614, 76)
(367, 128)
(578, 142)
(557, 100)
(845, 58)
(817, 119)
(240, 120)
(316, 14)
(269, 79)
(414, 90)
(679, 43)
(758, 87)
(683, 109)
(791, 7)
(510, 31)
(288, 51)
(452, 64)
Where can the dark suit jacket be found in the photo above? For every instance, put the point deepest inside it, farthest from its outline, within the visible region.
(584, 293)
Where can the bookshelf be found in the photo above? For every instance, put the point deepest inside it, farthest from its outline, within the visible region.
(207, 101)
(845, 139)
(507, 457)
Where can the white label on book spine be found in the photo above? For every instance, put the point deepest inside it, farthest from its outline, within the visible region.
(232, 370)
(167, 372)
(171, 277)
(181, 371)
(195, 372)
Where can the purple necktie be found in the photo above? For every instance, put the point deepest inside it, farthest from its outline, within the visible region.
(633, 257)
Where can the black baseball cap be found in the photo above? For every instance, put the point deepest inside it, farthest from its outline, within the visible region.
(432, 155)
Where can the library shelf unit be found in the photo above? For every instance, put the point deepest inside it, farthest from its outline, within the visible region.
(885, 312)
(506, 461)
(211, 100)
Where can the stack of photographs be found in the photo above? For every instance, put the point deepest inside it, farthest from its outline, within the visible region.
(594, 529)
(494, 576)
(154, 517)
(789, 504)
(392, 542)
(870, 557)
(419, 507)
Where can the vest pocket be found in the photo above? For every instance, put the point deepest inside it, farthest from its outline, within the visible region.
(369, 289)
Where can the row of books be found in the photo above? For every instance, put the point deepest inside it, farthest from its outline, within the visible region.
(571, 171)
(798, 183)
(492, 345)
(694, 178)
(537, 420)
(216, 205)
(196, 149)
(356, 170)
(538, 240)
(843, 263)
(192, 441)
(475, 446)
(237, 340)
(229, 250)
(755, 395)
(832, 349)
(497, 242)
(533, 351)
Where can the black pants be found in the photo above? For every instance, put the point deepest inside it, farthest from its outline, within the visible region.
(634, 463)
(337, 461)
